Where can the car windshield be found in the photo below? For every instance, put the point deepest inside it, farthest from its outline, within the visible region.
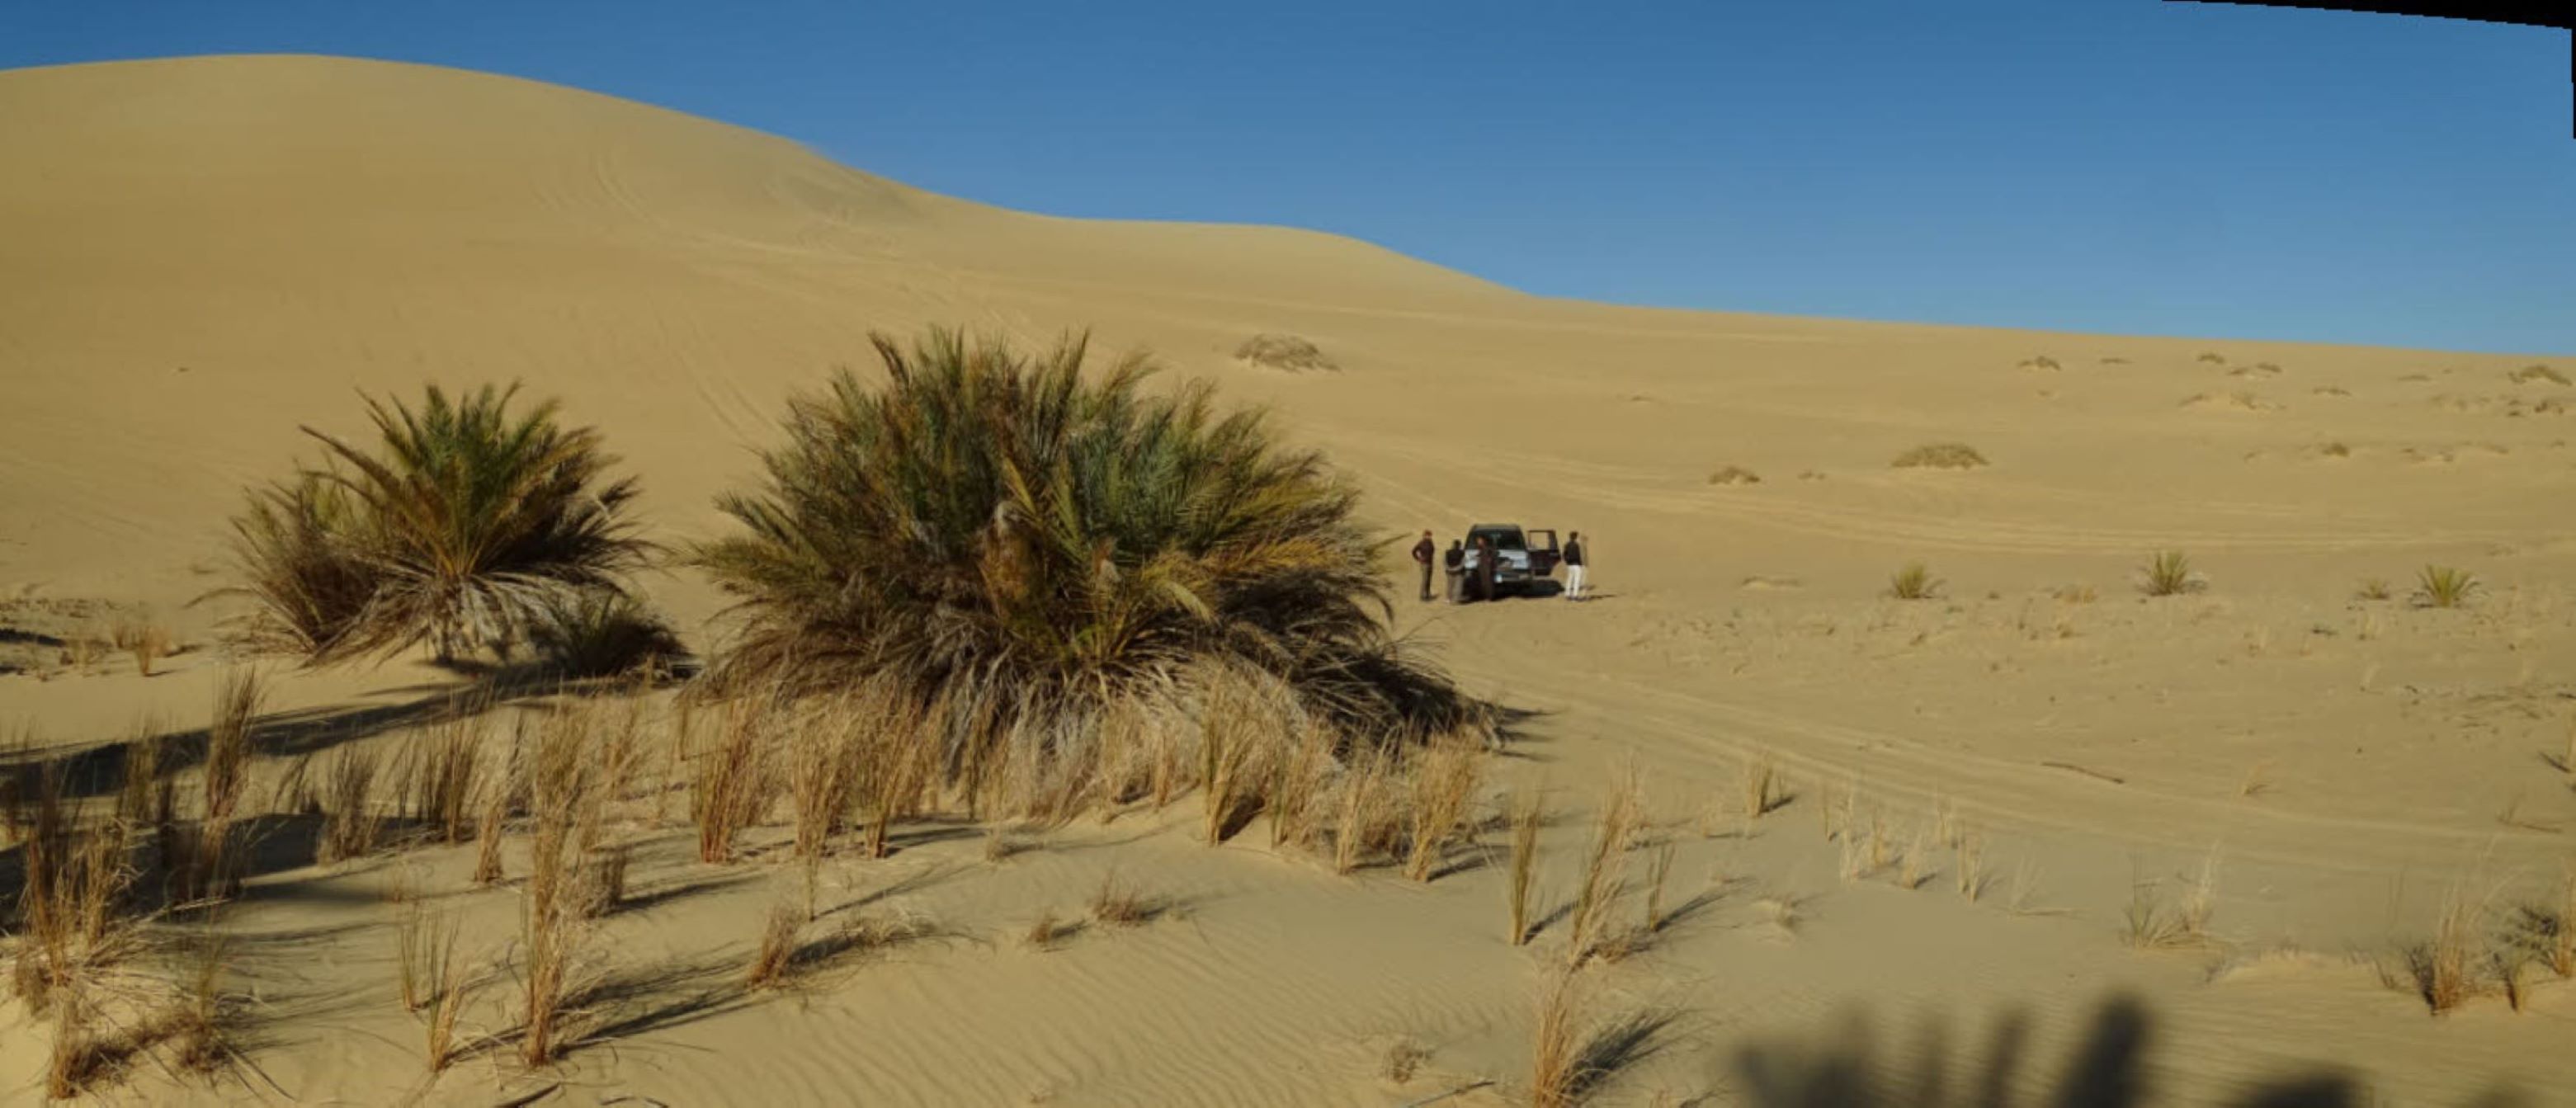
(1503, 540)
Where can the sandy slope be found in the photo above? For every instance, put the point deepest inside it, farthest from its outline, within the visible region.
(202, 254)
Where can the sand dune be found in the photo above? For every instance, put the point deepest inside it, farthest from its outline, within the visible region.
(202, 254)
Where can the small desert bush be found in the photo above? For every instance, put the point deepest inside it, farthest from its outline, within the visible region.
(2168, 573)
(1045, 549)
(1443, 787)
(2444, 587)
(1940, 455)
(2537, 371)
(2372, 588)
(455, 532)
(1914, 582)
(2041, 362)
(2212, 357)
(1735, 475)
(2548, 930)
(600, 632)
(1285, 352)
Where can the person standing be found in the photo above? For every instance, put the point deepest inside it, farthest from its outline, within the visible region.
(1484, 569)
(1455, 562)
(1422, 553)
(1574, 565)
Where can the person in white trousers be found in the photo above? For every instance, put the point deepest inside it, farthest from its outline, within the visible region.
(1574, 565)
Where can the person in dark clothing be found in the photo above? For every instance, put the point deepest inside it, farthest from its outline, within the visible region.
(1574, 565)
(1422, 552)
(1485, 569)
(1455, 562)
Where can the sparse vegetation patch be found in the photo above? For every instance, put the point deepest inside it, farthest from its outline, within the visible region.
(1940, 455)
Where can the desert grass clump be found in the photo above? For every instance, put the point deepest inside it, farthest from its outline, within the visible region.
(238, 698)
(1604, 870)
(2444, 587)
(775, 954)
(2537, 371)
(1914, 582)
(1528, 813)
(454, 532)
(349, 822)
(1119, 904)
(1734, 475)
(1556, 1061)
(146, 642)
(2199, 900)
(1366, 817)
(1044, 549)
(443, 775)
(731, 786)
(2148, 923)
(2372, 588)
(561, 782)
(1940, 455)
(1759, 781)
(599, 883)
(2548, 930)
(424, 950)
(1443, 787)
(2443, 969)
(2169, 573)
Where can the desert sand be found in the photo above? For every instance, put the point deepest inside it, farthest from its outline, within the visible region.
(202, 254)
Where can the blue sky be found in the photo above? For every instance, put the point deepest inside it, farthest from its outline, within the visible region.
(2127, 166)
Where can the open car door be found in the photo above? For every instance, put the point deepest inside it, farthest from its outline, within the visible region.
(1543, 554)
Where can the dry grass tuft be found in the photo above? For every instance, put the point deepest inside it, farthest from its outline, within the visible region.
(731, 783)
(1555, 1080)
(2149, 924)
(1914, 582)
(2372, 588)
(2548, 930)
(1604, 869)
(2443, 969)
(443, 769)
(1970, 872)
(1366, 819)
(599, 885)
(147, 642)
(2169, 573)
(2212, 357)
(776, 953)
(560, 782)
(2537, 371)
(1046, 931)
(1759, 782)
(2444, 587)
(424, 955)
(238, 699)
(1940, 455)
(1117, 904)
(1528, 813)
(2199, 900)
(1443, 787)
(2042, 361)
(349, 821)
(1734, 475)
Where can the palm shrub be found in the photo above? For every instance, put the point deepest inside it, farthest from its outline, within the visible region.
(1022, 553)
(456, 531)
(1914, 582)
